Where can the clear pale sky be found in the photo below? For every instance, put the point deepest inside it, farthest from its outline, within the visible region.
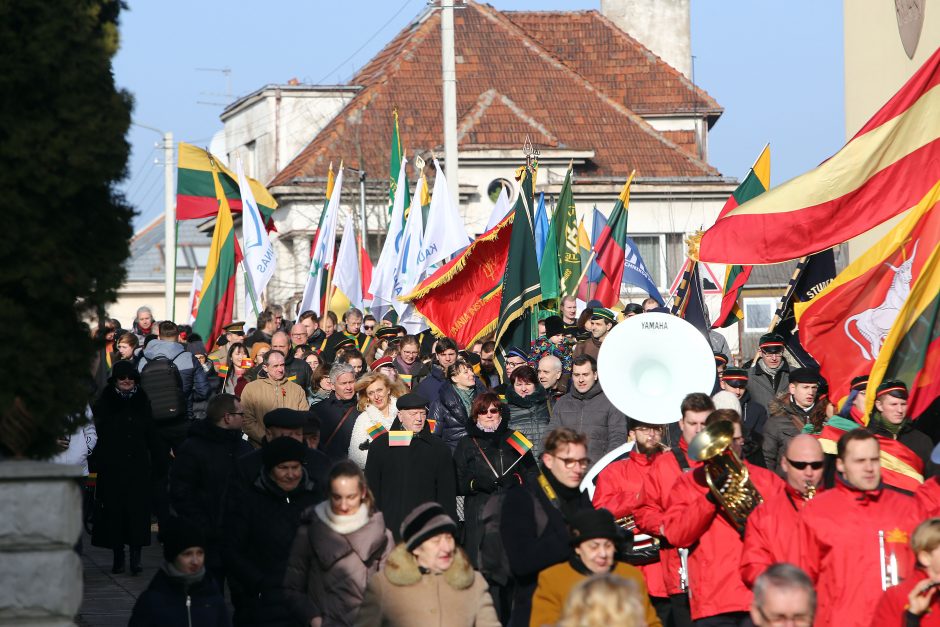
(775, 67)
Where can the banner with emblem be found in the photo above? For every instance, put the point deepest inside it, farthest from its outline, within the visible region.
(845, 326)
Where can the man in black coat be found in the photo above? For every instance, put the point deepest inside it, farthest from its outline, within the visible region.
(534, 522)
(295, 370)
(337, 413)
(283, 423)
(408, 466)
(445, 354)
(201, 472)
(753, 414)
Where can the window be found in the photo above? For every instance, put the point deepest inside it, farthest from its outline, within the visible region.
(496, 186)
(758, 313)
(663, 255)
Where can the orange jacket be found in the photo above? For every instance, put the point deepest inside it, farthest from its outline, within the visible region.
(839, 548)
(651, 506)
(693, 520)
(616, 490)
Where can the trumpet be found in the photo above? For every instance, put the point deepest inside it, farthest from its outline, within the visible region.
(626, 522)
(810, 492)
(683, 569)
(889, 564)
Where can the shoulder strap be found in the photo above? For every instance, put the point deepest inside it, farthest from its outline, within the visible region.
(681, 459)
(339, 426)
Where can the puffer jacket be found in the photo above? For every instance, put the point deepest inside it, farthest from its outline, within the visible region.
(449, 412)
(331, 561)
(195, 382)
(529, 415)
(167, 602)
(592, 414)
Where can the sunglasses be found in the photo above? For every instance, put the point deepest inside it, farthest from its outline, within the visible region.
(803, 465)
(125, 378)
(369, 327)
(493, 411)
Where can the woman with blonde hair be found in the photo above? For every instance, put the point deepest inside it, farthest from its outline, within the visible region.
(603, 600)
(377, 396)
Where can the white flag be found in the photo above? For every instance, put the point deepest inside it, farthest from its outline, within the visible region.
(500, 210)
(256, 245)
(195, 291)
(383, 277)
(407, 272)
(322, 252)
(444, 234)
(346, 273)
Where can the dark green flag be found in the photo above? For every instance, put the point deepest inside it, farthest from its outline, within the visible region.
(521, 287)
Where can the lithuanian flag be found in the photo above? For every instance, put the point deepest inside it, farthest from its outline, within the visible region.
(218, 286)
(196, 195)
(519, 442)
(610, 249)
(911, 352)
(884, 170)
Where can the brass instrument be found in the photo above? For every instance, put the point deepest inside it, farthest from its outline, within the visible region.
(810, 491)
(728, 478)
(889, 564)
(626, 522)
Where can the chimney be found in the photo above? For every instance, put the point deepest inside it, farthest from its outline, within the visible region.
(663, 26)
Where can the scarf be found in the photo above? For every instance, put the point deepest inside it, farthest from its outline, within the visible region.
(770, 372)
(570, 497)
(466, 397)
(342, 524)
(537, 397)
(890, 427)
(187, 580)
(408, 369)
(125, 395)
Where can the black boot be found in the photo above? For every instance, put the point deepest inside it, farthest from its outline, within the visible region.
(117, 566)
(135, 561)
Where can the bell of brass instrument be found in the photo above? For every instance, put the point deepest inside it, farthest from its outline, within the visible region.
(810, 491)
(728, 478)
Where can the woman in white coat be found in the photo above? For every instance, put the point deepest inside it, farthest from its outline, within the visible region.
(377, 396)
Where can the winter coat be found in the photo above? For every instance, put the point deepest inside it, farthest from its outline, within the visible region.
(130, 459)
(753, 423)
(337, 418)
(840, 549)
(259, 529)
(530, 415)
(770, 536)
(450, 414)
(82, 442)
(592, 414)
(556, 582)
(616, 489)
(429, 381)
(473, 472)
(651, 504)
(587, 346)
(360, 440)
(201, 472)
(533, 540)
(917, 441)
(329, 566)
(786, 421)
(402, 595)
(763, 388)
(264, 394)
(168, 603)
(403, 477)
(297, 371)
(692, 518)
(195, 382)
(248, 466)
(892, 608)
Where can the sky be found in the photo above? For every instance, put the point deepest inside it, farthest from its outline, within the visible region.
(775, 67)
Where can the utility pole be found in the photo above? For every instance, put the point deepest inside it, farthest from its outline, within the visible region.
(169, 225)
(449, 76)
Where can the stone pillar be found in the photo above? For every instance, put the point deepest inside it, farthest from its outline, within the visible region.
(39, 526)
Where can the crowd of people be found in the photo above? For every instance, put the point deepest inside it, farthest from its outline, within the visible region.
(339, 471)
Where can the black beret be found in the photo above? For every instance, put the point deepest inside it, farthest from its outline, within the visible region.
(804, 375)
(286, 418)
(411, 400)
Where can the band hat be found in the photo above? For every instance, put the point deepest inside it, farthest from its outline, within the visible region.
(285, 418)
(859, 383)
(378, 363)
(895, 388)
(721, 359)
(281, 450)
(235, 327)
(423, 523)
(590, 524)
(514, 351)
(602, 313)
(804, 375)
(734, 376)
(391, 331)
(346, 342)
(411, 400)
(554, 326)
(771, 343)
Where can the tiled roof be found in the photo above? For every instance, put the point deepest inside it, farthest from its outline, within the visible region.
(504, 77)
(146, 261)
(622, 67)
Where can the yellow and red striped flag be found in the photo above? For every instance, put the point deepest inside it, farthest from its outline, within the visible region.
(884, 170)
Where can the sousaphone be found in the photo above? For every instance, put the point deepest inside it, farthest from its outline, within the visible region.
(650, 362)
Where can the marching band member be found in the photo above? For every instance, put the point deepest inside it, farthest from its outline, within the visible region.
(898, 437)
(771, 528)
(718, 595)
(654, 497)
(915, 600)
(853, 539)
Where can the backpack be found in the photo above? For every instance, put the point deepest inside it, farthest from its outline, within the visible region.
(163, 384)
(494, 563)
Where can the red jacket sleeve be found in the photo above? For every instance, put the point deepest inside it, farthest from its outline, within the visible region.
(890, 609)
(690, 512)
(756, 556)
(928, 495)
(649, 509)
(609, 492)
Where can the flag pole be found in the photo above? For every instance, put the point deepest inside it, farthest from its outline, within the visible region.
(787, 295)
(587, 267)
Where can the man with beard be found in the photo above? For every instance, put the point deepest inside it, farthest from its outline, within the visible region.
(618, 487)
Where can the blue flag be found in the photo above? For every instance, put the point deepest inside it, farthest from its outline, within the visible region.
(597, 225)
(635, 272)
(541, 228)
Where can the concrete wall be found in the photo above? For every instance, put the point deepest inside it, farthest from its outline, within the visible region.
(663, 26)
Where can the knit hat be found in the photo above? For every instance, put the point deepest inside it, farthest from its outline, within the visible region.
(589, 524)
(423, 523)
(514, 351)
(196, 347)
(122, 370)
(178, 535)
(554, 326)
(280, 450)
(257, 347)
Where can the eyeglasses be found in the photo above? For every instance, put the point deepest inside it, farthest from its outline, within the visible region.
(369, 327)
(797, 620)
(493, 411)
(803, 465)
(569, 462)
(236, 413)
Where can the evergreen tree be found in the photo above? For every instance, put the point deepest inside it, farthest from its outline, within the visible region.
(66, 229)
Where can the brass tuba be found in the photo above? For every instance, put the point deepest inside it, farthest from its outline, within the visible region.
(727, 477)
